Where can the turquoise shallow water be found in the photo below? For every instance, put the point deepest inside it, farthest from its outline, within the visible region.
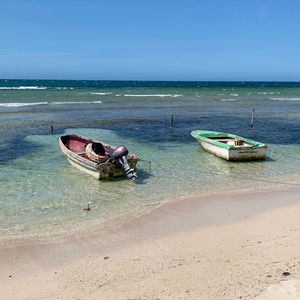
(38, 186)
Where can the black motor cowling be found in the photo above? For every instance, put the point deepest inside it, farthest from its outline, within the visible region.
(120, 155)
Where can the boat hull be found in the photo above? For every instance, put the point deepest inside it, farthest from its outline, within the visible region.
(97, 170)
(235, 154)
(230, 146)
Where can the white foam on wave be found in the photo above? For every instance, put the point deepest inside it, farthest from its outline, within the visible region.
(234, 95)
(270, 93)
(158, 95)
(47, 103)
(228, 100)
(23, 88)
(285, 99)
(101, 94)
(75, 102)
(22, 104)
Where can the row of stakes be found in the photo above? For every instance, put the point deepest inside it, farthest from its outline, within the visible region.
(172, 122)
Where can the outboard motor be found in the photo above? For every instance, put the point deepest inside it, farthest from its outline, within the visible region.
(120, 155)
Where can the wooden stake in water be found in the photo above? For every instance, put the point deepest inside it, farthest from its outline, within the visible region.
(88, 208)
(51, 129)
(172, 121)
(252, 119)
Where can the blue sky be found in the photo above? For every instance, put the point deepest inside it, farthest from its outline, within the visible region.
(150, 40)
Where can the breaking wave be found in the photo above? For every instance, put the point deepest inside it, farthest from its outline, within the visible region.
(76, 102)
(101, 94)
(265, 93)
(47, 103)
(228, 100)
(159, 95)
(34, 88)
(23, 88)
(22, 104)
(285, 99)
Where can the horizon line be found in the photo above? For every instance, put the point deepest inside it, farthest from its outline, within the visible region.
(152, 80)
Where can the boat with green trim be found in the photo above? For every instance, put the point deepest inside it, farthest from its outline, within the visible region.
(230, 146)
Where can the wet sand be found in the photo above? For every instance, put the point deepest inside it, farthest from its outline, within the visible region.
(226, 246)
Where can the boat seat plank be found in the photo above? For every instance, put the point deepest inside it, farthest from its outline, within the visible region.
(220, 138)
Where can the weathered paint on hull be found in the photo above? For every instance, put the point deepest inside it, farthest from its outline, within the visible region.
(235, 154)
(95, 173)
(103, 172)
(98, 171)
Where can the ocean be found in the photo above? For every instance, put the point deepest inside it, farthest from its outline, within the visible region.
(39, 188)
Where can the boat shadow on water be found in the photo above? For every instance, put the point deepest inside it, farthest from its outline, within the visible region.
(143, 176)
(214, 165)
(257, 161)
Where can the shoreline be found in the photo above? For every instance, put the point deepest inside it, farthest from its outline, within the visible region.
(209, 239)
(59, 228)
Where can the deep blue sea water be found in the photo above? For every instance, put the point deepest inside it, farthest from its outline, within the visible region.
(39, 187)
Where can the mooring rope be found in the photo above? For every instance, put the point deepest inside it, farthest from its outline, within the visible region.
(147, 161)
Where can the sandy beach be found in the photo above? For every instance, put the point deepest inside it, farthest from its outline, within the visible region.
(149, 150)
(224, 246)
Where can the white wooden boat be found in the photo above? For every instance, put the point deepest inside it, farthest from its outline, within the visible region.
(230, 146)
(108, 164)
